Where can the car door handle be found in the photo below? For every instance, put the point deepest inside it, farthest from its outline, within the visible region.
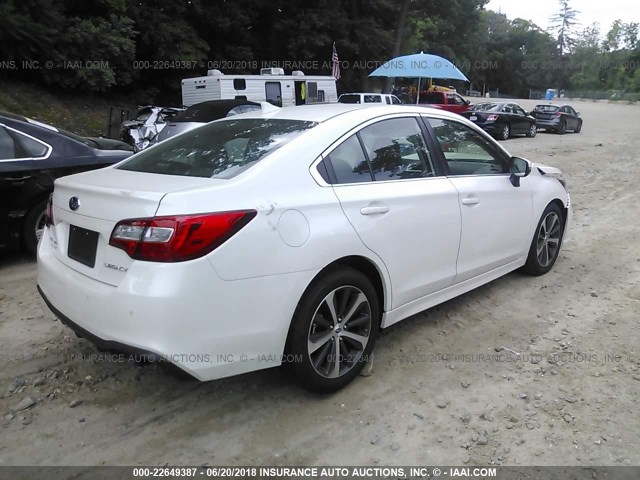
(374, 210)
(18, 179)
(470, 201)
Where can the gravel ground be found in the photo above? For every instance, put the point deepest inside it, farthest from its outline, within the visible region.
(523, 371)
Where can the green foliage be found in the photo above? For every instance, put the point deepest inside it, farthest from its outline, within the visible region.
(150, 45)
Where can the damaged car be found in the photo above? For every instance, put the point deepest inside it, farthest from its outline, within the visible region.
(149, 122)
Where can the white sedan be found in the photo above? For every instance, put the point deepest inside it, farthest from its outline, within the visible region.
(292, 237)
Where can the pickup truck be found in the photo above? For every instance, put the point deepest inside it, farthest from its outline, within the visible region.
(450, 101)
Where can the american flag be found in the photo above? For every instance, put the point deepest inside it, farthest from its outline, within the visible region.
(336, 63)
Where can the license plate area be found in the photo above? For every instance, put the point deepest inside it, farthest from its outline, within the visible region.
(83, 245)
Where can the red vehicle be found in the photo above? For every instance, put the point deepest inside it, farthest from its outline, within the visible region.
(449, 101)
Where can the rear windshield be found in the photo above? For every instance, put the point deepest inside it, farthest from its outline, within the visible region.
(432, 97)
(546, 108)
(220, 149)
(487, 107)
(349, 99)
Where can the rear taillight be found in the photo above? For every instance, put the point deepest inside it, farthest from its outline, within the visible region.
(48, 212)
(177, 238)
(492, 118)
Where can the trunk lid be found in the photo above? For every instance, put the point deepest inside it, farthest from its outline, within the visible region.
(102, 198)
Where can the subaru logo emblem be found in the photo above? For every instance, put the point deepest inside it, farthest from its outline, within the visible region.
(74, 203)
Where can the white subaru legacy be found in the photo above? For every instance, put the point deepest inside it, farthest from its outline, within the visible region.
(292, 237)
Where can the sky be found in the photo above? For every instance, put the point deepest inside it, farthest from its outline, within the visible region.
(601, 11)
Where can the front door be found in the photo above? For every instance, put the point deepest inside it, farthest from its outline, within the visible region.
(495, 215)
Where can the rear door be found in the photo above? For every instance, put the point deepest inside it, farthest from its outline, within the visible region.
(400, 205)
(496, 216)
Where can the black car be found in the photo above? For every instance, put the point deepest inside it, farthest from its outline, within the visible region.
(32, 156)
(502, 120)
(558, 118)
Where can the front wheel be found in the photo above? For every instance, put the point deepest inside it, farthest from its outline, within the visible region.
(33, 227)
(546, 241)
(333, 330)
(533, 131)
(578, 128)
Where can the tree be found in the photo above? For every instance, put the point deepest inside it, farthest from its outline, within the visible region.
(564, 24)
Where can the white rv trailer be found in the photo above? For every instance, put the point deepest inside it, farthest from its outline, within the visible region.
(272, 86)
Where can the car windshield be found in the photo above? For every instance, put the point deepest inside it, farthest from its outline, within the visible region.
(487, 107)
(546, 108)
(220, 149)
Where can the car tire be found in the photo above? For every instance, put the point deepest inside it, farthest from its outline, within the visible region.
(578, 128)
(313, 364)
(33, 226)
(546, 242)
(562, 129)
(533, 131)
(505, 133)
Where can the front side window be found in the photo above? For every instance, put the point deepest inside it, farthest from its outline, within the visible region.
(395, 100)
(397, 150)
(466, 151)
(221, 149)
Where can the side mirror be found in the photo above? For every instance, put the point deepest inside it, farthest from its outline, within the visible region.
(520, 168)
(467, 102)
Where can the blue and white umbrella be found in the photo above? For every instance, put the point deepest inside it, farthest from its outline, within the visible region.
(419, 65)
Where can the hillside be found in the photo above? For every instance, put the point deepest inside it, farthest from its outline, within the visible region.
(81, 113)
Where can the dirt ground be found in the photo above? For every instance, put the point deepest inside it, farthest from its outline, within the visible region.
(523, 371)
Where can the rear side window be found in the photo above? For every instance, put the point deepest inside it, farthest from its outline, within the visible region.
(372, 99)
(220, 149)
(7, 146)
(349, 163)
(397, 150)
(14, 145)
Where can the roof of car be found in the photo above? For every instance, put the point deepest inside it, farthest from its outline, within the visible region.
(326, 111)
(211, 110)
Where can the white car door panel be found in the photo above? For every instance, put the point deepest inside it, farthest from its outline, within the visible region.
(386, 182)
(414, 226)
(495, 222)
(496, 215)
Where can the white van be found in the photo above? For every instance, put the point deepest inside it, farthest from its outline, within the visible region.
(369, 98)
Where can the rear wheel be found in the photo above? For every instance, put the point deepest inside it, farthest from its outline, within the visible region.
(33, 227)
(533, 131)
(546, 241)
(562, 129)
(505, 132)
(334, 330)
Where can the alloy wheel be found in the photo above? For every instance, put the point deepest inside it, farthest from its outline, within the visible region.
(339, 332)
(548, 240)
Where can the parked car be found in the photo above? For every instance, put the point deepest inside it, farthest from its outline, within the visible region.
(149, 122)
(205, 112)
(385, 98)
(32, 156)
(502, 120)
(558, 118)
(293, 236)
(449, 101)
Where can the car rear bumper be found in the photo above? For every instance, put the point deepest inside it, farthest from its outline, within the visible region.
(548, 123)
(182, 313)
